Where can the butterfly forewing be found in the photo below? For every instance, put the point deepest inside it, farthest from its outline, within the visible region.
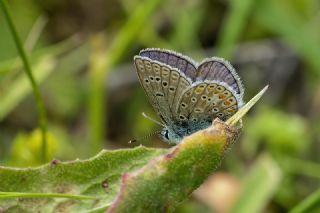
(161, 83)
(147, 76)
(175, 60)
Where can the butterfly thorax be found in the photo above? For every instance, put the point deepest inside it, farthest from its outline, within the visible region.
(180, 131)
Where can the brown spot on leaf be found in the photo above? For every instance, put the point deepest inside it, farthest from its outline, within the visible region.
(105, 185)
(231, 132)
(172, 153)
(55, 162)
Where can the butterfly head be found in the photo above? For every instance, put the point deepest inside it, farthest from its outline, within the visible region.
(169, 136)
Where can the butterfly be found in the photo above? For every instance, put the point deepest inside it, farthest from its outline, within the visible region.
(187, 95)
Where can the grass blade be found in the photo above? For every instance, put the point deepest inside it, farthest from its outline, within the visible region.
(36, 91)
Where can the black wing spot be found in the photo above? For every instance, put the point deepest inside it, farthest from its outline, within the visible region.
(220, 114)
(219, 88)
(182, 117)
(183, 105)
(215, 110)
(159, 94)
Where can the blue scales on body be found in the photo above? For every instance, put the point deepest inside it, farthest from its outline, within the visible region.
(186, 95)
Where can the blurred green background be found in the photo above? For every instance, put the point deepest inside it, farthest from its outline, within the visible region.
(82, 53)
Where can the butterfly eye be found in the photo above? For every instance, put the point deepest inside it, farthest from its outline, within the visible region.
(166, 134)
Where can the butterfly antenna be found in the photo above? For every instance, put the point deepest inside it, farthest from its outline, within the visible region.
(153, 120)
(145, 137)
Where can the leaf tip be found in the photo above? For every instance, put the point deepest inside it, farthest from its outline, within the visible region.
(241, 112)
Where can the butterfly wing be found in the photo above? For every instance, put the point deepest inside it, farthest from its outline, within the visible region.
(220, 70)
(161, 83)
(176, 60)
(188, 97)
(204, 101)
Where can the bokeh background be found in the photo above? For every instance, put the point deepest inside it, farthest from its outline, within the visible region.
(82, 53)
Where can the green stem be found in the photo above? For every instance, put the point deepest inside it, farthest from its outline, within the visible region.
(36, 91)
(309, 204)
(302, 167)
(7, 195)
(234, 26)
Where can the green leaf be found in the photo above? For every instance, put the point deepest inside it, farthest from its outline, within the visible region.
(11, 96)
(234, 25)
(98, 177)
(310, 204)
(152, 180)
(167, 179)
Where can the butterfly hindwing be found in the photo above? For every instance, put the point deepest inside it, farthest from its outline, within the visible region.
(204, 101)
(220, 70)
